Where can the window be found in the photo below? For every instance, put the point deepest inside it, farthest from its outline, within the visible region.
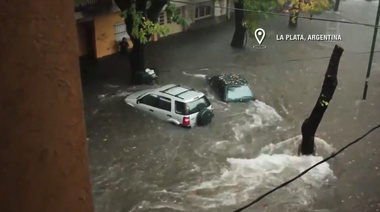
(120, 31)
(164, 103)
(238, 92)
(191, 107)
(161, 18)
(180, 108)
(149, 100)
(197, 105)
(203, 10)
(178, 11)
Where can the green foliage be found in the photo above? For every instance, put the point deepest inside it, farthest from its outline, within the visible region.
(173, 15)
(314, 7)
(261, 7)
(144, 28)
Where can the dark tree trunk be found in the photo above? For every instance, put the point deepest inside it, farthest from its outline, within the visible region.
(293, 15)
(240, 30)
(310, 125)
(137, 54)
(155, 8)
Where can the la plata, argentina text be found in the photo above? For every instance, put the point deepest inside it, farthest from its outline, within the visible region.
(311, 37)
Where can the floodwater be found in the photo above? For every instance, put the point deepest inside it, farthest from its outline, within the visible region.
(142, 164)
(237, 157)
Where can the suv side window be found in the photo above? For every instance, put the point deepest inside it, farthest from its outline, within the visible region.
(181, 108)
(149, 100)
(164, 103)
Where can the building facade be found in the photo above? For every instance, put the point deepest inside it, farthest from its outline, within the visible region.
(100, 30)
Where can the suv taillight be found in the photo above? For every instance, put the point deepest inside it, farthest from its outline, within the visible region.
(186, 121)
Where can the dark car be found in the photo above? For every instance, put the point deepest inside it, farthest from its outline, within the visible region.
(231, 88)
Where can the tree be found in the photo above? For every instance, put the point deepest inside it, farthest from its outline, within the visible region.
(310, 125)
(141, 23)
(43, 147)
(313, 7)
(249, 12)
(247, 17)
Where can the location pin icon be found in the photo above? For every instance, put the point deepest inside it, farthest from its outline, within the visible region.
(260, 35)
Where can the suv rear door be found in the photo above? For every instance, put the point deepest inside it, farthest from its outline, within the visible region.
(164, 108)
(179, 111)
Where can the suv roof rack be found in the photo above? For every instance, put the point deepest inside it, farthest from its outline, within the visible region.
(175, 86)
(177, 95)
(188, 89)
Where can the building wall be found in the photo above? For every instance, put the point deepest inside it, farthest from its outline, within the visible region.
(104, 27)
(173, 27)
(105, 42)
(189, 13)
(220, 11)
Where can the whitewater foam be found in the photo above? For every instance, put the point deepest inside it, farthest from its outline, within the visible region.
(244, 179)
(195, 75)
(290, 147)
(257, 115)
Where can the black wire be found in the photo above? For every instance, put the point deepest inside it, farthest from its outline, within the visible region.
(284, 15)
(306, 171)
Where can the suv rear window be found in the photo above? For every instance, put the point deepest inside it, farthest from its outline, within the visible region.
(238, 92)
(192, 107)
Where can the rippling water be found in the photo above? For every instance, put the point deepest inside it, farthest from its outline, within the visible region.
(216, 168)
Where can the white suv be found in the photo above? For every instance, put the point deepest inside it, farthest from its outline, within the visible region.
(174, 103)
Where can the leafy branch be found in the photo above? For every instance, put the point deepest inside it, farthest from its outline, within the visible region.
(174, 16)
(260, 7)
(143, 28)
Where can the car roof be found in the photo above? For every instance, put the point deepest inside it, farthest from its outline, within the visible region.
(179, 92)
(231, 79)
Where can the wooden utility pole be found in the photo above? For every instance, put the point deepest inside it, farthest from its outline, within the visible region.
(310, 125)
(43, 148)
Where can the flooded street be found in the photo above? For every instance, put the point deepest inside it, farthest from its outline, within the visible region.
(139, 163)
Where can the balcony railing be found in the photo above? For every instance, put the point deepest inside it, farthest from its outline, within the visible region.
(93, 6)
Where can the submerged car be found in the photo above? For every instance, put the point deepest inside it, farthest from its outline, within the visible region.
(176, 104)
(231, 88)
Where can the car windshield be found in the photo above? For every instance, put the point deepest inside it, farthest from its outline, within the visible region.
(197, 105)
(238, 92)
